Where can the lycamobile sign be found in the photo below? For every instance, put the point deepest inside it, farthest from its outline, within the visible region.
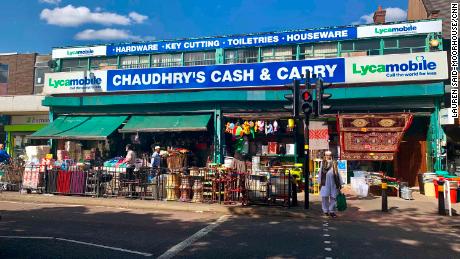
(402, 29)
(84, 52)
(420, 64)
(398, 67)
(74, 82)
(388, 30)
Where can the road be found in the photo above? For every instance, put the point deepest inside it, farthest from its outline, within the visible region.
(32, 230)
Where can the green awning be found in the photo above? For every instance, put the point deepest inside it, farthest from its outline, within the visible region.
(80, 127)
(166, 123)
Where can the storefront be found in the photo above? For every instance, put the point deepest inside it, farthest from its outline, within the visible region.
(224, 105)
(18, 130)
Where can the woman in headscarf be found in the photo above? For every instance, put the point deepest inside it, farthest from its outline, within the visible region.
(330, 184)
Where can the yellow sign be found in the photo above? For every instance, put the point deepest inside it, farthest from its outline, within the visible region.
(306, 147)
(49, 156)
(440, 188)
(384, 186)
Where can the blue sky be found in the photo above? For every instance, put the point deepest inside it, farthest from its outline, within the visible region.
(39, 25)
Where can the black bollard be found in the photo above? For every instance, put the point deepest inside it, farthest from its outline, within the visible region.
(441, 201)
(384, 196)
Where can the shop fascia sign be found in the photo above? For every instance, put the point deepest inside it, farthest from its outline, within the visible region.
(32, 119)
(387, 68)
(399, 29)
(267, 39)
(79, 52)
(397, 67)
(224, 76)
(75, 82)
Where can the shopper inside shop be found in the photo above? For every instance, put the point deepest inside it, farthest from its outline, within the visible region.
(331, 183)
(4, 156)
(156, 160)
(130, 161)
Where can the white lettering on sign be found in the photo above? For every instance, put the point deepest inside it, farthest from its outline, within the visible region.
(323, 71)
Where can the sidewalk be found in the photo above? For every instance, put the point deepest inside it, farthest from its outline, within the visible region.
(363, 209)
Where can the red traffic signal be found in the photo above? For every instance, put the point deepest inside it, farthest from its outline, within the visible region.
(306, 96)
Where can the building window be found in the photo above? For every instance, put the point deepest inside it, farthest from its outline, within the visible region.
(395, 51)
(241, 56)
(390, 43)
(278, 54)
(76, 64)
(135, 61)
(3, 73)
(200, 58)
(411, 42)
(360, 48)
(321, 50)
(40, 69)
(104, 63)
(167, 60)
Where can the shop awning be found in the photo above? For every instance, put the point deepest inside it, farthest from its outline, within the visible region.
(166, 123)
(80, 127)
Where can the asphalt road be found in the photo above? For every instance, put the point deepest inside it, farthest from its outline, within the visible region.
(30, 230)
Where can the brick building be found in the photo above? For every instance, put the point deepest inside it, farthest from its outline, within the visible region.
(21, 111)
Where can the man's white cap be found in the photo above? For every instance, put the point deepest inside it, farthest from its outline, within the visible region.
(328, 153)
(157, 147)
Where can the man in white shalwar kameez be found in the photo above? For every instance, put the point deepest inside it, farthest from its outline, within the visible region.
(330, 183)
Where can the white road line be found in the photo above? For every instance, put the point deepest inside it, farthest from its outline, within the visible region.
(103, 246)
(326, 235)
(79, 242)
(328, 258)
(328, 249)
(327, 242)
(193, 238)
(326, 229)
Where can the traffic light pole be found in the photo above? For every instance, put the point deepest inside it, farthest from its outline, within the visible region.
(306, 164)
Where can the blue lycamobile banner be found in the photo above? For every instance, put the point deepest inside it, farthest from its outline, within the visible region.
(278, 38)
(224, 76)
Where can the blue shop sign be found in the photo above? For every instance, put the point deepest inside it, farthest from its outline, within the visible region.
(224, 76)
(280, 38)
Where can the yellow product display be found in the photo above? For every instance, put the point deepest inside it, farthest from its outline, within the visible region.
(314, 187)
(429, 189)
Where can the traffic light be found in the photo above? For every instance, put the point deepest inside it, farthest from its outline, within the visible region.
(306, 102)
(321, 97)
(293, 98)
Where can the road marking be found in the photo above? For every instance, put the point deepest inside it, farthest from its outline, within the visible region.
(173, 251)
(328, 258)
(327, 242)
(79, 242)
(326, 235)
(328, 249)
(326, 229)
(103, 246)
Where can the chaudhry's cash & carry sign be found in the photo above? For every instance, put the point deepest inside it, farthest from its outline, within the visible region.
(369, 69)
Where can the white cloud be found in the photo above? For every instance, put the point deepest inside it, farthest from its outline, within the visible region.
(106, 34)
(394, 14)
(50, 1)
(137, 18)
(70, 16)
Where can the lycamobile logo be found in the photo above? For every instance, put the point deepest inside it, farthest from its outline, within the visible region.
(74, 82)
(408, 28)
(419, 64)
(80, 52)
